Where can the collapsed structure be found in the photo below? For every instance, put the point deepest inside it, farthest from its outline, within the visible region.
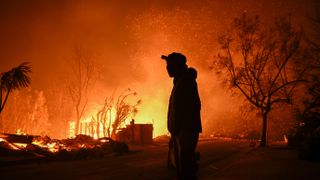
(136, 133)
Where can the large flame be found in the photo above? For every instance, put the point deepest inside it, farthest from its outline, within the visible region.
(151, 111)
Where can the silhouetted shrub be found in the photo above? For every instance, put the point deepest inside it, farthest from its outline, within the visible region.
(307, 137)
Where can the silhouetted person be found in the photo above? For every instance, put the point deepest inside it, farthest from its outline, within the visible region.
(184, 122)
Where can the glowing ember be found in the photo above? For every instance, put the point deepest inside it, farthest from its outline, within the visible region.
(51, 146)
(104, 140)
(20, 145)
(12, 146)
(95, 136)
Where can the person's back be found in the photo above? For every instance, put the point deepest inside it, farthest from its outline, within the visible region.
(184, 106)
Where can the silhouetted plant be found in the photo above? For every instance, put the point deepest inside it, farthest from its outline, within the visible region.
(113, 114)
(307, 134)
(123, 110)
(103, 117)
(18, 77)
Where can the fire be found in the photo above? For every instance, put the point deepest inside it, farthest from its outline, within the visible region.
(72, 129)
(12, 146)
(285, 139)
(104, 140)
(88, 126)
(53, 147)
(95, 136)
(19, 132)
(152, 110)
(20, 145)
(47, 143)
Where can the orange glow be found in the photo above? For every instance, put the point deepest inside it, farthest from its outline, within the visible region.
(19, 132)
(72, 127)
(13, 146)
(152, 110)
(285, 139)
(104, 140)
(95, 136)
(53, 147)
(20, 145)
(125, 41)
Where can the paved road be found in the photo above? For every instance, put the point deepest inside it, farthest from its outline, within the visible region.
(146, 163)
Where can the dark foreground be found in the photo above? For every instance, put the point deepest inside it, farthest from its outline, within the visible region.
(219, 160)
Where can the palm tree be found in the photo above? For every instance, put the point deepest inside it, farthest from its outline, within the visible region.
(18, 77)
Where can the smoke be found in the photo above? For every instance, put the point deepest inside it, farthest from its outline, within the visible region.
(126, 40)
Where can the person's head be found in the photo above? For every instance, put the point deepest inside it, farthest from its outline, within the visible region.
(176, 64)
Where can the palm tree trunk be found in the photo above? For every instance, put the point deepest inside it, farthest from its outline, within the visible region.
(0, 95)
(5, 100)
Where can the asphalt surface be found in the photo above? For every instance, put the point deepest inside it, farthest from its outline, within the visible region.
(220, 159)
(146, 162)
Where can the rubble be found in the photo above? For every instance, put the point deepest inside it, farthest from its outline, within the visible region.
(16, 149)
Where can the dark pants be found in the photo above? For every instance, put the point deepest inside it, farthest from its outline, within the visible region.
(185, 146)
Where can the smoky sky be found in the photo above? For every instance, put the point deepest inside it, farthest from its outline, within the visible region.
(44, 32)
(127, 38)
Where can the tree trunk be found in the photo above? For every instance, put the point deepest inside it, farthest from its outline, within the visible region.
(5, 100)
(264, 130)
(77, 123)
(109, 126)
(98, 130)
(92, 129)
(0, 97)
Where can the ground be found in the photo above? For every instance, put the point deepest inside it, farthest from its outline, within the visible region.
(220, 159)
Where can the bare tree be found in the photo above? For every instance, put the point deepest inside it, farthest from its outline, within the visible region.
(16, 78)
(122, 110)
(82, 77)
(102, 117)
(261, 62)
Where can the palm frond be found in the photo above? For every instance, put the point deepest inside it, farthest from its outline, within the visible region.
(17, 77)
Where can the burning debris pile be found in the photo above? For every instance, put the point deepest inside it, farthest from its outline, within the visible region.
(29, 148)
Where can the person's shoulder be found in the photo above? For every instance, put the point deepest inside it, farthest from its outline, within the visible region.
(192, 73)
(190, 77)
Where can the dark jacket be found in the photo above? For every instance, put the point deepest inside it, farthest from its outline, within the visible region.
(184, 104)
